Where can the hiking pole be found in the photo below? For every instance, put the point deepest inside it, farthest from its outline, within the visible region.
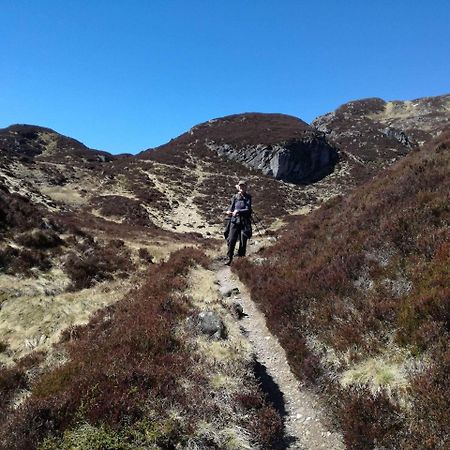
(260, 222)
(256, 226)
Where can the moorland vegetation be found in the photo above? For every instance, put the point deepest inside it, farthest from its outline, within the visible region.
(132, 379)
(358, 294)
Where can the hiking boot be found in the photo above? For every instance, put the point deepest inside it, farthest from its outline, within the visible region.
(228, 262)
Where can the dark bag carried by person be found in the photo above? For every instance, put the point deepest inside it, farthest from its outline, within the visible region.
(246, 226)
(226, 227)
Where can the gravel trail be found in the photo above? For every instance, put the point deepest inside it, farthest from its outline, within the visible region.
(305, 422)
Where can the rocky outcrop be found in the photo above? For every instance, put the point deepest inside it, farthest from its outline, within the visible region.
(281, 146)
(374, 133)
(298, 161)
(185, 184)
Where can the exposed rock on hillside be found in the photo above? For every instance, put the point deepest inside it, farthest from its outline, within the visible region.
(277, 145)
(185, 185)
(299, 161)
(374, 133)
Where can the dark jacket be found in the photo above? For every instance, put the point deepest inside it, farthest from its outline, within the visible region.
(242, 204)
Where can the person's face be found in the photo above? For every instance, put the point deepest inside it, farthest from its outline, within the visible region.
(242, 188)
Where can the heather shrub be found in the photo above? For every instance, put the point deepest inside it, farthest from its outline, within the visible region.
(40, 239)
(7, 256)
(430, 424)
(17, 212)
(11, 380)
(97, 263)
(16, 261)
(369, 421)
(118, 206)
(125, 362)
(269, 427)
(85, 437)
(145, 255)
(29, 259)
(143, 434)
(424, 315)
(345, 281)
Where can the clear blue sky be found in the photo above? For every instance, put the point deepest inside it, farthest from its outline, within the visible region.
(123, 76)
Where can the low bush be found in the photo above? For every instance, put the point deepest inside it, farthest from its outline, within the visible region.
(143, 434)
(20, 261)
(265, 419)
(370, 421)
(11, 380)
(145, 255)
(7, 256)
(17, 212)
(97, 262)
(429, 427)
(357, 272)
(117, 206)
(122, 386)
(40, 239)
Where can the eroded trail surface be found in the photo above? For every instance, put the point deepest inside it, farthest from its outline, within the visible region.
(305, 422)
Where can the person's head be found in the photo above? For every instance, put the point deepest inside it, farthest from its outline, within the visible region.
(241, 186)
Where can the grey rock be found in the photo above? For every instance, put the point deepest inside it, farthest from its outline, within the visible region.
(297, 161)
(228, 292)
(400, 136)
(212, 325)
(237, 310)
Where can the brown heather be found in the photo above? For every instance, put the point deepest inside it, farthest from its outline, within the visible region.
(362, 272)
(123, 375)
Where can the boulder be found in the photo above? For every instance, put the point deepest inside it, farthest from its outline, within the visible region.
(228, 292)
(237, 310)
(211, 324)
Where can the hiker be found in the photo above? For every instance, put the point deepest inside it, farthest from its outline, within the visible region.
(240, 225)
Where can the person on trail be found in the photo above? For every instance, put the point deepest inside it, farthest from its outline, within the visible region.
(240, 224)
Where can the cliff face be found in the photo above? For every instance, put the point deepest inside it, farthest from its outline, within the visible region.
(298, 161)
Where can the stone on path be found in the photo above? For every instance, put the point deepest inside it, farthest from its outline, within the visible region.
(228, 291)
(211, 324)
(237, 310)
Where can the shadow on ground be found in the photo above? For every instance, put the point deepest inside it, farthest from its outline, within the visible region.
(276, 397)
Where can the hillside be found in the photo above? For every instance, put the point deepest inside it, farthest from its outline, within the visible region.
(107, 264)
(171, 187)
(358, 294)
(374, 133)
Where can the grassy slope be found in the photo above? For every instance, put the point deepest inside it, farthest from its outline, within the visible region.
(358, 294)
(138, 376)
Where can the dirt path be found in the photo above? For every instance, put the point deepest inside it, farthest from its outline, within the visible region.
(304, 421)
(183, 215)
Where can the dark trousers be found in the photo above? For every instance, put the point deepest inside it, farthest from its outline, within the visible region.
(236, 232)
